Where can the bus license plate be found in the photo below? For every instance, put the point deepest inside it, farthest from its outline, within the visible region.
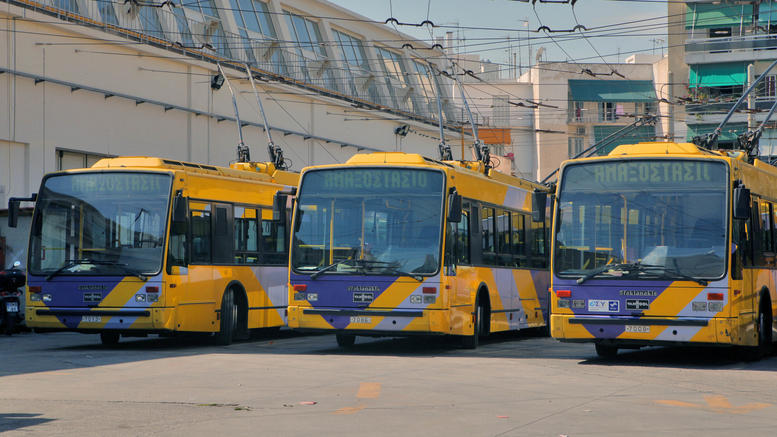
(12, 307)
(641, 329)
(92, 319)
(361, 319)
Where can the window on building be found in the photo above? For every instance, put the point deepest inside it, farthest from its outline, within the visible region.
(607, 111)
(309, 49)
(257, 32)
(769, 86)
(394, 74)
(578, 109)
(207, 13)
(576, 143)
(67, 5)
(355, 57)
(182, 24)
(501, 110)
(107, 13)
(69, 159)
(427, 95)
(149, 21)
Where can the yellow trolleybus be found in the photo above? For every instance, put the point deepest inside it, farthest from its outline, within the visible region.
(394, 244)
(661, 243)
(140, 245)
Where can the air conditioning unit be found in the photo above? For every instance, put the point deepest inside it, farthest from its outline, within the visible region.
(203, 31)
(403, 93)
(318, 67)
(264, 50)
(364, 81)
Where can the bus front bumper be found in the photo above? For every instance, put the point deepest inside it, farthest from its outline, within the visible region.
(647, 330)
(100, 319)
(378, 322)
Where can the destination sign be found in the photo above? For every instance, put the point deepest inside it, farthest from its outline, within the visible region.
(373, 180)
(644, 173)
(83, 184)
(119, 183)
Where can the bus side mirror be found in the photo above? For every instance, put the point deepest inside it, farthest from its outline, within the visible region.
(179, 209)
(13, 208)
(741, 203)
(539, 201)
(454, 207)
(279, 207)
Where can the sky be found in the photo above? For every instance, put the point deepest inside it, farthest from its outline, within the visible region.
(630, 26)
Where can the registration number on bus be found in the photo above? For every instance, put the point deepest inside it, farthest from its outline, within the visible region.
(92, 319)
(361, 319)
(641, 329)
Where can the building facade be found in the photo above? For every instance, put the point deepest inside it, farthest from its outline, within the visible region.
(716, 49)
(85, 79)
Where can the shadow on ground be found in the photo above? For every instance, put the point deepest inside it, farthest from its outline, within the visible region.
(30, 353)
(13, 421)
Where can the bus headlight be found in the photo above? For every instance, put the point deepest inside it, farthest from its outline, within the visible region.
(563, 303)
(47, 298)
(715, 307)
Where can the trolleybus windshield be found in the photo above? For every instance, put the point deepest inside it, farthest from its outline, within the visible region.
(109, 223)
(666, 217)
(369, 221)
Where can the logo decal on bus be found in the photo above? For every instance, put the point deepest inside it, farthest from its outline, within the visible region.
(362, 297)
(652, 293)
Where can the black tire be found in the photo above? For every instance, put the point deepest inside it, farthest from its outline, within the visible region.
(345, 340)
(764, 327)
(471, 341)
(228, 317)
(109, 338)
(606, 350)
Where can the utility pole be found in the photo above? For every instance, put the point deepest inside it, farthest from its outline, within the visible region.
(750, 99)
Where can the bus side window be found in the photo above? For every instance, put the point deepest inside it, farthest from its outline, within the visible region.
(177, 251)
(222, 236)
(518, 239)
(487, 229)
(462, 237)
(246, 235)
(504, 257)
(201, 229)
(273, 240)
(538, 257)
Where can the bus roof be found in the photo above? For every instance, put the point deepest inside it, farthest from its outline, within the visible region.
(258, 171)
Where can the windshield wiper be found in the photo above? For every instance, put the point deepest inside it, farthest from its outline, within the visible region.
(604, 268)
(668, 271)
(68, 264)
(319, 272)
(74, 262)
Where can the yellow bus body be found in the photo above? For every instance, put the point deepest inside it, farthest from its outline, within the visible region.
(177, 298)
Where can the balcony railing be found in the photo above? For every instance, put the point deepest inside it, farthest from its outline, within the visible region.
(746, 42)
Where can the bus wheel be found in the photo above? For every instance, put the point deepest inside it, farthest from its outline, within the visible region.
(228, 319)
(471, 341)
(109, 338)
(606, 350)
(345, 340)
(764, 347)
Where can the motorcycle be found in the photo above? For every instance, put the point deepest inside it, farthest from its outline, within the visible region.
(11, 281)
